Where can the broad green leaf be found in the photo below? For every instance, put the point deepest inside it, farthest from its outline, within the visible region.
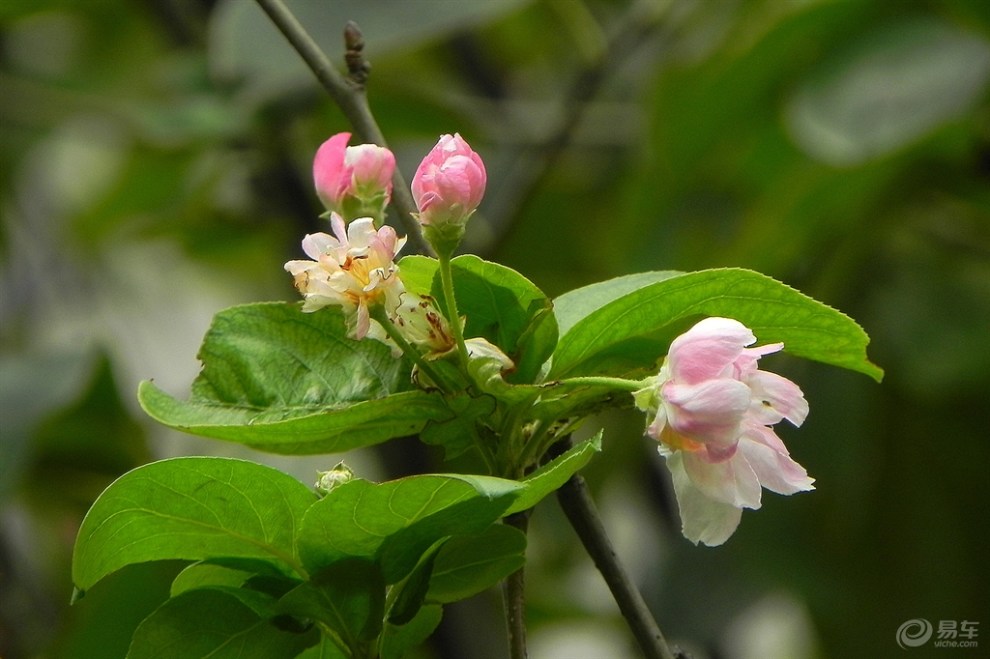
(397, 521)
(574, 305)
(397, 640)
(555, 473)
(467, 565)
(635, 329)
(348, 597)
(499, 304)
(284, 381)
(193, 509)
(894, 85)
(217, 623)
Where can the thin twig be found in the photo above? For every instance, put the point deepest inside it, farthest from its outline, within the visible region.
(350, 96)
(578, 506)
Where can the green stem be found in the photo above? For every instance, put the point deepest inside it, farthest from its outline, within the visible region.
(577, 504)
(621, 384)
(378, 313)
(450, 305)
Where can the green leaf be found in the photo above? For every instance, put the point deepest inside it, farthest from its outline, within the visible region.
(348, 597)
(894, 85)
(581, 302)
(201, 575)
(193, 509)
(397, 640)
(499, 304)
(635, 329)
(280, 380)
(398, 520)
(467, 565)
(216, 623)
(457, 434)
(411, 592)
(555, 473)
(325, 649)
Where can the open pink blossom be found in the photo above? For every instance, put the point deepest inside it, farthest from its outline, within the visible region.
(449, 183)
(712, 414)
(353, 180)
(353, 269)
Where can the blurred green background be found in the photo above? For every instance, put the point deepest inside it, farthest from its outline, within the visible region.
(155, 167)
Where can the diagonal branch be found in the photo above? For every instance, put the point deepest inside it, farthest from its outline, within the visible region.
(578, 506)
(349, 94)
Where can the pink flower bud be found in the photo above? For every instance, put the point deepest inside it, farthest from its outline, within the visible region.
(355, 181)
(449, 183)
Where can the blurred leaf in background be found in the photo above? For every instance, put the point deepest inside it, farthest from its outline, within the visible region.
(155, 168)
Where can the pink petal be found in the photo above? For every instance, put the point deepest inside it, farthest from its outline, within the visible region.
(708, 349)
(707, 412)
(778, 397)
(776, 470)
(329, 170)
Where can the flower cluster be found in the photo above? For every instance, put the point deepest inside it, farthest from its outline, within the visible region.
(355, 268)
(712, 411)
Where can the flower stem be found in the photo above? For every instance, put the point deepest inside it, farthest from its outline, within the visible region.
(514, 598)
(450, 305)
(349, 94)
(578, 506)
(378, 313)
(601, 381)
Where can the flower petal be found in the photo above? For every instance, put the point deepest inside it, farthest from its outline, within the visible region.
(708, 349)
(710, 411)
(703, 519)
(775, 398)
(731, 481)
(777, 471)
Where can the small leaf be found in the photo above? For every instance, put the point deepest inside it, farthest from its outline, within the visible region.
(397, 640)
(499, 304)
(411, 592)
(201, 575)
(193, 509)
(216, 623)
(467, 565)
(398, 520)
(555, 473)
(634, 330)
(348, 597)
(280, 380)
(325, 649)
(457, 434)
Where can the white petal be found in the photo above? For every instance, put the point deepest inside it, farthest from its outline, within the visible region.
(703, 519)
(731, 481)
